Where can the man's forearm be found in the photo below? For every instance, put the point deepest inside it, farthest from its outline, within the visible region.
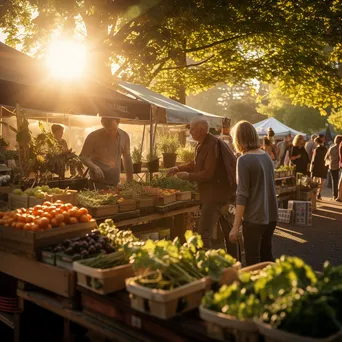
(87, 162)
(127, 161)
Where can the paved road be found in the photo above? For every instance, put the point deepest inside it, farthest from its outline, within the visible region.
(316, 244)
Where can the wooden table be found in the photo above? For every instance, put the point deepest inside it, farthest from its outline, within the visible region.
(113, 318)
(177, 220)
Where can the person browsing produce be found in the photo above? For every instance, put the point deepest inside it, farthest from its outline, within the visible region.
(256, 201)
(102, 151)
(210, 169)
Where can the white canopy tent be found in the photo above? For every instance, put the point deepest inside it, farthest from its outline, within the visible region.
(280, 130)
(167, 111)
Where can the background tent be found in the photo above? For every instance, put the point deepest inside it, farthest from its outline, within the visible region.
(279, 128)
(24, 81)
(167, 111)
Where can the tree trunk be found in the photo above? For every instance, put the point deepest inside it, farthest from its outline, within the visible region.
(181, 88)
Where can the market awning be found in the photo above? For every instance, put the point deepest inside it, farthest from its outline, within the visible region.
(279, 128)
(167, 110)
(23, 81)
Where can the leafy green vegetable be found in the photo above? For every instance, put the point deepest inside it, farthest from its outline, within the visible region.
(104, 261)
(178, 264)
(96, 198)
(173, 183)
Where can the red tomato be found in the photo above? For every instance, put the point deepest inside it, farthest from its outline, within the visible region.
(54, 222)
(59, 218)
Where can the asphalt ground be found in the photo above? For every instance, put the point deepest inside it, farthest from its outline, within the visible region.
(316, 243)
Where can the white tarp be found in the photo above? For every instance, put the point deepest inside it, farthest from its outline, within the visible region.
(176, 113)
(279, 128)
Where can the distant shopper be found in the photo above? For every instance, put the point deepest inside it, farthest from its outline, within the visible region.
(318, 168)
(332, 159)
(298, 155)
(271, 135)
(58, 131)
(339, 198)
(256, 202)
(310, 146)
(282, 148)
(267, 147)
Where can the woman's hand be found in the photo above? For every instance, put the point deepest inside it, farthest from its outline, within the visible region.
(234, 235)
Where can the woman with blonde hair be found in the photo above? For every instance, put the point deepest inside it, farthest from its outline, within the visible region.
(256, 202)
(298, 155)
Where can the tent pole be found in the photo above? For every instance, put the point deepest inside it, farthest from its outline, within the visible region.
(142, 139)
(151, 140)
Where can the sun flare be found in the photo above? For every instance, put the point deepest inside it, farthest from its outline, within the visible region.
(66, 59)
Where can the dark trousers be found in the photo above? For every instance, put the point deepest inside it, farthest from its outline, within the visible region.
(210, 216)
(258, 242)
(334, 182)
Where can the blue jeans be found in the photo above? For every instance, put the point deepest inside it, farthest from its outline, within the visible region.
(210, 216)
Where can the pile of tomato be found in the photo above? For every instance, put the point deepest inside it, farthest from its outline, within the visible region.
(46, 216)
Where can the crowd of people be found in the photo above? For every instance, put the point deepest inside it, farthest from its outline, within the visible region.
(239, 174)
(312, 158)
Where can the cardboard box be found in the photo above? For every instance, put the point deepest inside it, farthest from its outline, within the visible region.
(302, 212)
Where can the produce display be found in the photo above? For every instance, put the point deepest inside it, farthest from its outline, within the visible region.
(46, 216)
(177, 264)
(131, 190)
(117, 237)
(105, 261)
(173, 183)
(159, 192)
(96, 198)
(285, 168)
(85, 247)
(41, 191)
(288, 295)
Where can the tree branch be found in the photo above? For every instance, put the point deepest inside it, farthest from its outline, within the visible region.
(203, 47)
(189, 65)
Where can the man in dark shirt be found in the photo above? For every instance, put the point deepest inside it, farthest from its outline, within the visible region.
(207, 169)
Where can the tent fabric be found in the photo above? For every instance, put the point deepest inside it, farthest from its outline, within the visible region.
(23, 81)
(278, 127)
(174, 112)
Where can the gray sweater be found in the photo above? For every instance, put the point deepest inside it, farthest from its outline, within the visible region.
(256, 188)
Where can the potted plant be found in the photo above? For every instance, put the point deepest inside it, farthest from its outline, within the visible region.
(153, 161)
(136, 159)
(186, 153)
(168, 145)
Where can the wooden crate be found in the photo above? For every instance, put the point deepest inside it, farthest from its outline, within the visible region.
(222, 327)
(102, 281)
(276, 335)
(65, 198)
(167, 199)
(30, 243)
(47, 277)
(165, 304)
(104, 210)
(196, 196)
(18, 201)
(127, 205)
(184, 196)
(147, 202)
(5, 189)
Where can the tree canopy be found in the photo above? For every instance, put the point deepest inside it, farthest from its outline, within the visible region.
(301, 118)
(177, 46)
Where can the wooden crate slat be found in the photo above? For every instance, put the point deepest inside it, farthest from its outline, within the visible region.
(54, 279)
